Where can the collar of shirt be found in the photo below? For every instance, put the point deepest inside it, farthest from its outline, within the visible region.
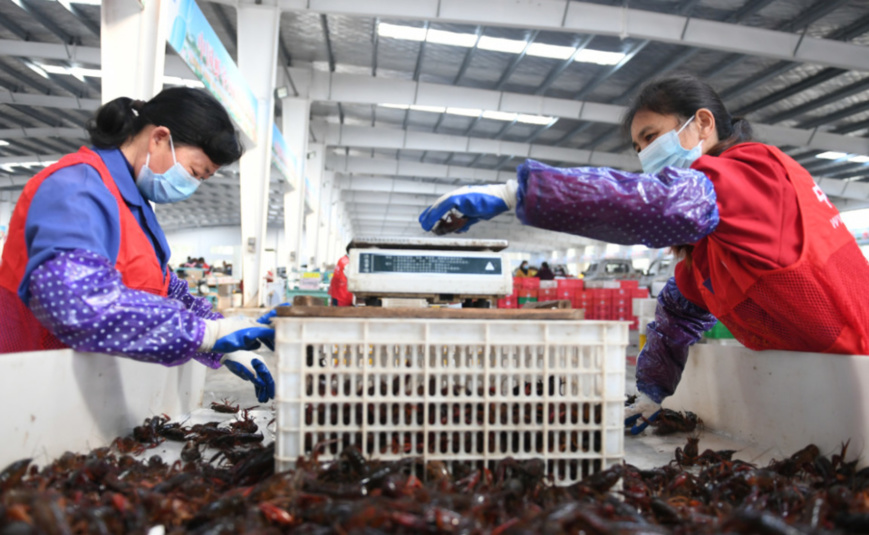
(122, 172)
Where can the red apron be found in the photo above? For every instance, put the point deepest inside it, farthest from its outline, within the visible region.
(137, 262)
(338, 285)
(820, 303)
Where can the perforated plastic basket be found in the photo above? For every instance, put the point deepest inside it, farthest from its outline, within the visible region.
(473, 391)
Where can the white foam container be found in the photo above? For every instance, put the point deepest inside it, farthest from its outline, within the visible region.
(453, 390)
(62, 400)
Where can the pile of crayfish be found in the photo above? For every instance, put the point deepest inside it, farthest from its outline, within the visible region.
(111, 491)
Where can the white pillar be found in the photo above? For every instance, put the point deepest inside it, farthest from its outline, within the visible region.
(314, 173)
(294, 126)
(325, 209)
(132, 49)
(257, 60)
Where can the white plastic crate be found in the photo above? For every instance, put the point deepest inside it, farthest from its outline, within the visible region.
(473, 391)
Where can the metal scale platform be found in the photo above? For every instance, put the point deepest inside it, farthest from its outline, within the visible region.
(439, 270)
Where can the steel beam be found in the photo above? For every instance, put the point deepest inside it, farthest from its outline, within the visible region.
(588, 18)
(362, 89)
(396, 139)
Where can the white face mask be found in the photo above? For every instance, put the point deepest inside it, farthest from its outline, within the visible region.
(667, 151)
(173, 185)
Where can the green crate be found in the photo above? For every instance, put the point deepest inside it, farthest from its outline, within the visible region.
(718, 332)
(523, 300)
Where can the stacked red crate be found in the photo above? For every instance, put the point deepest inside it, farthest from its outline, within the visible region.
(548, 291)
(637, 293)
(508, 302)
(568, 289)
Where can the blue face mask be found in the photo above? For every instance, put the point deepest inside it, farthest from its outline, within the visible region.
(667, 151)
(174, 185)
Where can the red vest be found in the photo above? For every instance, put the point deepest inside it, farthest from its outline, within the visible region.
(820, 303)
(137, 262)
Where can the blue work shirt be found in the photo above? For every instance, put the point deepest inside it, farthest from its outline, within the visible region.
(73, 209)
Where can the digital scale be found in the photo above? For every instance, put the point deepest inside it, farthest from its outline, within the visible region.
(439, 270)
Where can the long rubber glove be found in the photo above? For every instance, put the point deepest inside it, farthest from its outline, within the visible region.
(678, 324)
(470, 203)
(251, 368)
(234, 334)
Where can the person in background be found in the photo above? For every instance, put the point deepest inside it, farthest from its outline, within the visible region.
(103, 283)
(341, 297)
(758, 239)
(522, 270)
(560, 271)
(544, 273)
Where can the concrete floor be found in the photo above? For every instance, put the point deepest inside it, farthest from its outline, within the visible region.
(644, 451)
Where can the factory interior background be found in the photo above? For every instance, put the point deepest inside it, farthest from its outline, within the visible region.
(372, 112)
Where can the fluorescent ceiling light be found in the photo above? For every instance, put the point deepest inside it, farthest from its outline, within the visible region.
(535, 119)
(831, 155)
(466, 112)
(430, 109)
(498, 44)
(599, 56)
(81, 72)
(408, 33)
(550, 51)
(859, 159)
(36, 68)
(4, 143)
(440, 37)
(499, 115)
(473, 112)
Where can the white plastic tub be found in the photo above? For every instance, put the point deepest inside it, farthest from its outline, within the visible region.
(779, 400)
(58, 401)
(453, 390)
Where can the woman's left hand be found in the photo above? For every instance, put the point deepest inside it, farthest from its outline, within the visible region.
(250, 367)
(469, 204)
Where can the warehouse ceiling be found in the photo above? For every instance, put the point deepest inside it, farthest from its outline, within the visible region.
(796, 68)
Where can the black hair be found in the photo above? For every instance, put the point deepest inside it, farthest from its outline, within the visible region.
(682, 95)
(194, 118)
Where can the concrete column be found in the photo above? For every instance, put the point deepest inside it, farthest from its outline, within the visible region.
(327, 194)
(314, 174)
(294, 126)
(257, 60)
(132, 49)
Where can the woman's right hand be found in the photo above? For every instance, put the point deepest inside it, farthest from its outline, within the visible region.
(458, 210)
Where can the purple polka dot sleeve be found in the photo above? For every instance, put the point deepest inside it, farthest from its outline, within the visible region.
(674, 207)
(200, 307)
(80, 297)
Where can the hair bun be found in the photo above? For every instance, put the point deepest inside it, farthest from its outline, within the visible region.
(137, 105)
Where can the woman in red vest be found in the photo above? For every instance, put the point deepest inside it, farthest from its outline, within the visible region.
(85, 264)
(764, 251)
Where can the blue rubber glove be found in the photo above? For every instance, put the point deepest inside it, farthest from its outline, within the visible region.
(251, 368)
(266, 319)
(226, 335)
(469, 204)
(641, 413)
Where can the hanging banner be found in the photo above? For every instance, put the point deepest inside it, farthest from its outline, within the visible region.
(283, 158)
(192, 37)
